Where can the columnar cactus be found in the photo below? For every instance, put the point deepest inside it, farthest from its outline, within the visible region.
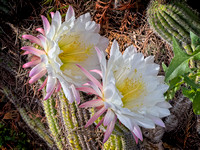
(66, 124)
(173, 18)
(36, 125)
(53, 123)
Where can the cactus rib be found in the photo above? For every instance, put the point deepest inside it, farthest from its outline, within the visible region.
(52, 122)
(68, 124)
(33, 124)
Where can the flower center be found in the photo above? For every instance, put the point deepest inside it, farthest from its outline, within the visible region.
(131, 90)
(74, 51)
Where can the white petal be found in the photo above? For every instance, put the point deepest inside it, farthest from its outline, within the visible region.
(114, 51)
(125, 120)
(108, 117)
(57, 19)
(51, 83)
(157, 120)
(164, 104)
(149, 59)
(129, 51)
(146, 123)
(92, 26)
(70, 14)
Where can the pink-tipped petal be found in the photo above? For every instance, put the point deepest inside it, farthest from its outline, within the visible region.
(33, 50)
(43, 84)
(39, 67)
(75, 93)
(31, 63)
(108, 117)
(157, 120)
(52, 14)
(97, 71)
(33, 58)
(109, 129)
(49, 93)
(95, 116)
(46, 24)
(137, 132)
(70, 13)
(87, 90)
(43, 40)
(26, 53)
(51, 83)
(37, 76)
(100, 122)
(32, 39)
(92, 103)
(135, 137)
(58, 87)
(90, 83)
(40, 30)
(93, 79)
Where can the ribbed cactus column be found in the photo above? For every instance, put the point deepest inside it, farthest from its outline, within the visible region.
(69, 123)
(66, 123)
(36, 125)
(170, 18)
(52, 121)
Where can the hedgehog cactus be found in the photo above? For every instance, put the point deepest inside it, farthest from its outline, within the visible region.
(173, 18)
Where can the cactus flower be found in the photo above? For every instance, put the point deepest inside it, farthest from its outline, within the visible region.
(59, 47)
(130, 91)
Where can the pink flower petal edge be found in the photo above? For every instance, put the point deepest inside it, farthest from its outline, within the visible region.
(92, 103)
(95, 116)
(109, 129)
(93, 79)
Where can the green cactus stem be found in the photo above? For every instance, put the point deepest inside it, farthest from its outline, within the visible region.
(53, 123)
(36, 126)
(70, 135)
(173, 18)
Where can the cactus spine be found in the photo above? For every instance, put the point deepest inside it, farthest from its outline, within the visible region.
(173, 18)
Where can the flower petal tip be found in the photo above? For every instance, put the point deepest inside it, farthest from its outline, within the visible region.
(24, 66)
(23, 36)
(78, 65)
(81, 106)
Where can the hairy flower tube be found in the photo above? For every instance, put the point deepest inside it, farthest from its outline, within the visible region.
(61, 46)
(130, 91)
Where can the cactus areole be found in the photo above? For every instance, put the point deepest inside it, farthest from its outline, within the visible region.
(173, 19)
